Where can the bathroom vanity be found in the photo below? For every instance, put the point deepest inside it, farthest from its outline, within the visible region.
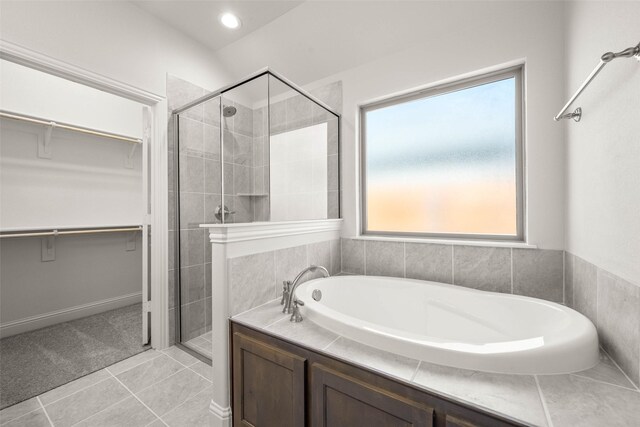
(277, 382)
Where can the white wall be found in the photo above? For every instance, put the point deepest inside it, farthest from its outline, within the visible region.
(482, 35)
(113, 38)
(603, 150)
(24, 90)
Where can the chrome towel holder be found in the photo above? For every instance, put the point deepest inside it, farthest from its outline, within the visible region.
(576, 115)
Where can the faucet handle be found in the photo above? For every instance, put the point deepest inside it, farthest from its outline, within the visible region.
(286, 289)
(296, 316)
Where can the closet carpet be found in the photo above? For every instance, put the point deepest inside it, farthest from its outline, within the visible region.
(37, 361)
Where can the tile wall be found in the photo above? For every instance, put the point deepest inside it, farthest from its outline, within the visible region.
(531, 272)
(256, 279)
(613, 305)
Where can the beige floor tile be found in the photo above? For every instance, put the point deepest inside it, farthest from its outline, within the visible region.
(72, 387)
(181, 356)
(130, 412)
(133, 361)
(32, 419)
(193, 413)
(79, 406)
(173, 391)
(18, 410)
(203, 369)
(150, 372)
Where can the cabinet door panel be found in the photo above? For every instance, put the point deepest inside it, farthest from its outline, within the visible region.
(269, 385)
(339, 400)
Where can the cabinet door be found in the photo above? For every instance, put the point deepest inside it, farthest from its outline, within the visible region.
(268, 385)
(341, 400)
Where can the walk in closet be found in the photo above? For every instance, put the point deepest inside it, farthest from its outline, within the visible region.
(74, 210)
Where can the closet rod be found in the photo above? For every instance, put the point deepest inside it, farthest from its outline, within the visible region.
(41, 233)
(37, 120)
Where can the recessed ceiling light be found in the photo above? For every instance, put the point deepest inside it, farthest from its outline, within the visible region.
(230, 20)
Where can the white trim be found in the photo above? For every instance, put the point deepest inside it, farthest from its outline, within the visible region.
(229, 233)
(159, 186)
(256, 237)
(453, 242)
(47, 319)
(158, 221)
(221, 415)
(23, 56)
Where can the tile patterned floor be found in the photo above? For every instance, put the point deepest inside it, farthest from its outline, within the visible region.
(201, 344)
(154, 388)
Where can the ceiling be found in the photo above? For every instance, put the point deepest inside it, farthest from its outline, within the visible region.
(200, 19)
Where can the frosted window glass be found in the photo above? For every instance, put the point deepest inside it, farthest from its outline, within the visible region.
(445, 164)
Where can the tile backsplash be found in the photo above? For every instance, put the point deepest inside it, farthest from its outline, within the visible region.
(610, 302)
(531, 272)
(256, 279)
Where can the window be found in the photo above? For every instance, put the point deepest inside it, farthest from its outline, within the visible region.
(447, 161)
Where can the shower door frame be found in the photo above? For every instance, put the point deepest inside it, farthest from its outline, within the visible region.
(176, 165)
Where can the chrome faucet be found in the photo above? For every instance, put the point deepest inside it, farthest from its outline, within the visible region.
(292, 304)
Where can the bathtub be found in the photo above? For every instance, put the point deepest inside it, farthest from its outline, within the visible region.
(452, 325)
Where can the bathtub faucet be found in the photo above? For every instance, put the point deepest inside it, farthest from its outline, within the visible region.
(291, 305)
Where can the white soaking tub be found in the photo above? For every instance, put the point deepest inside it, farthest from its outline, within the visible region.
(452, 325)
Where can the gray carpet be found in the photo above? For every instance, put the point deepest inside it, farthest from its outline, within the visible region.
(38, 361)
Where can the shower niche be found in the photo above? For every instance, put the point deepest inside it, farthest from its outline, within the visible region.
(260, 150)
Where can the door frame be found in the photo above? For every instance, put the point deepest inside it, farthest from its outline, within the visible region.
(158, 184)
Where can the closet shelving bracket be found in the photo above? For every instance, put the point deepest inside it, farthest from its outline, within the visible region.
(128, 161)
(44, 149)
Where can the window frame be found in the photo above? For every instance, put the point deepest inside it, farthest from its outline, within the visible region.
(516, 72)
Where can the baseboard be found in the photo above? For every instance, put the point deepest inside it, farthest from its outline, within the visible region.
(47, 319)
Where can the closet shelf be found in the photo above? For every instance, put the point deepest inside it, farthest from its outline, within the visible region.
(66, 126)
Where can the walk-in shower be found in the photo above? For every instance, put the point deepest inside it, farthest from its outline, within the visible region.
(258, 150)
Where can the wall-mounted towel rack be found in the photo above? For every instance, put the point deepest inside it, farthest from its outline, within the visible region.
(576, 115)
(66, 232)
(52, 124)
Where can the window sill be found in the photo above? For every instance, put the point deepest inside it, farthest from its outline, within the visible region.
(457, 242)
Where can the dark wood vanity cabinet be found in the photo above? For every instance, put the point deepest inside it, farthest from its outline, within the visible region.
(277, 383)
